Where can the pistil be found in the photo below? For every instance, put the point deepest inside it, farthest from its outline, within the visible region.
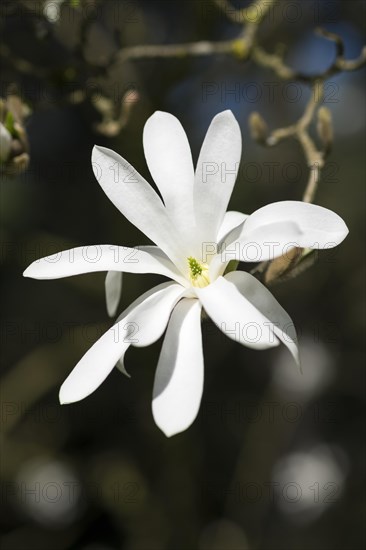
(198, 273)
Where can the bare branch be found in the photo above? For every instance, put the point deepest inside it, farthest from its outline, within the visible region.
(252, 14)
(276, 62)
(174, 50)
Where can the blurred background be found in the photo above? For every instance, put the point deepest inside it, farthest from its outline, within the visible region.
(275, 460)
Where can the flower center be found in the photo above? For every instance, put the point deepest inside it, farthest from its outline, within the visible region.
(198, 273)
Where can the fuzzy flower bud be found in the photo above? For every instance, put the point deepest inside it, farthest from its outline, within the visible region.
(325, 128)
(258, 127)
(5, 143)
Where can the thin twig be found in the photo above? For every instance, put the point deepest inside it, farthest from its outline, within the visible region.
(274, 270)
(276, 63)
(252, 14)
(174, 50)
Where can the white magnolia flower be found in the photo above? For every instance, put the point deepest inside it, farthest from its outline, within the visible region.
(195, 239)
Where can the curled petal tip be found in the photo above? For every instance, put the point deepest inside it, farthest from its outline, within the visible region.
(121, 367)
(298, 363)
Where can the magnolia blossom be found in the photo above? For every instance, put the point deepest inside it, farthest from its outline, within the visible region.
(195, 240)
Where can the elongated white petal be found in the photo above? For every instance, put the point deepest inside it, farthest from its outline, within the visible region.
(266, 303)
(144, 324)
(178, 382)
(113, 289)
(216, 172)
(231, 220)
(236, 316)
(137, 200)
(165, 261)
(103, 257)
(274, 229)
(151, 320)
(121, 365)
(146, 319)
(168, 156)
(141, 299)
(187, 293)
(93, 368)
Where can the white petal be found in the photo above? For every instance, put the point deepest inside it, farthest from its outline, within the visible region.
(216, 172)
(103, 257)
(236, 316)
(113, 289)
(120, 365)
(167, 264)
(141, 299)
(266, 303)
(137, 200)
(92, 369)
(150, 321)
(168, 156)
(144, 324)
(178, 382)
(231, 220)
(274, 229)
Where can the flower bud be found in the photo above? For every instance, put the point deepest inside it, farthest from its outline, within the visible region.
(5, 143)
(281, 266)
(258, 127)
(14, 157)
(239, 48)
(325, 128)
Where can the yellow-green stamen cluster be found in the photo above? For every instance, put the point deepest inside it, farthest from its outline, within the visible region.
(199, 273)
